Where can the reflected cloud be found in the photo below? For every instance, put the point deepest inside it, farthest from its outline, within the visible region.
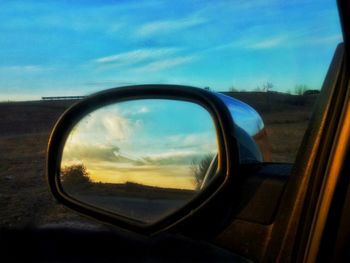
(173, 157)
(88, 153)
(109, 123)
(143, 109)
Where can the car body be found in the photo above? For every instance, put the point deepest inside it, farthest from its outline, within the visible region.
(250, 126)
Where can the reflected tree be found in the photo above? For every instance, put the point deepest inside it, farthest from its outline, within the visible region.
(200, 168)
(75, 176)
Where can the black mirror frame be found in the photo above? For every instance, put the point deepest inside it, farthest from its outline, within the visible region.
(227, 162)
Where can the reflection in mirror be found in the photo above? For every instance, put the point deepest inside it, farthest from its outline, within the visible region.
(141, 159)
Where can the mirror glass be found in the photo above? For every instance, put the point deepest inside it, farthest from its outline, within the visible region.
(141, 159)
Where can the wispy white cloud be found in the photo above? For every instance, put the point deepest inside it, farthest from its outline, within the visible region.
(281, 40)
(23, 69)
(267, 43)
(101, 17)
(166, 63)
(135, 56)
(167, 26)
(254, 41)
(327, 40)
(241, 5)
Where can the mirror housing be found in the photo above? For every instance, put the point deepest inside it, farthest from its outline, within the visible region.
(205, 202)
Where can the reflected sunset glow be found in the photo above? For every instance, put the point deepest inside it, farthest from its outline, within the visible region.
(157, 143)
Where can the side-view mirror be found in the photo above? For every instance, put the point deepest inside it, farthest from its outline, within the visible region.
(143, 157)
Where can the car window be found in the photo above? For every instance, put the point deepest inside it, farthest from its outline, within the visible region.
(272, 55)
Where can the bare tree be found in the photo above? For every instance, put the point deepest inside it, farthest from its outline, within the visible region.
(257, 89)
(232, 89)
(300, 89)
(268, 86)
(200, 168)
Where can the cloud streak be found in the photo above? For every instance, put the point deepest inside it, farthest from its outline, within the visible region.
(150, 60)
(167, 26)
(23, 69)
(281, 40)
(165, 64)
(268, 43)
(136, 56)
(327, 40)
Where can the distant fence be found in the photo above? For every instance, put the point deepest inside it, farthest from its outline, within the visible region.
(63, 98)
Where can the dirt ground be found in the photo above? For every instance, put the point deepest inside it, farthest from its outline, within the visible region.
(24, 132)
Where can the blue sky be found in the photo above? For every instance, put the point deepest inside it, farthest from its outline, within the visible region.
(55, 48)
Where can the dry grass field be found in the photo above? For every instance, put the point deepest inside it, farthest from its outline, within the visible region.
(24, 131)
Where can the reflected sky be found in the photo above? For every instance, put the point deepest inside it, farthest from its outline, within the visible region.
(153, 142)
(60, 48)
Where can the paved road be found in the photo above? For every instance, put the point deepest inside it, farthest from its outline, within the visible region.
(145, 210)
